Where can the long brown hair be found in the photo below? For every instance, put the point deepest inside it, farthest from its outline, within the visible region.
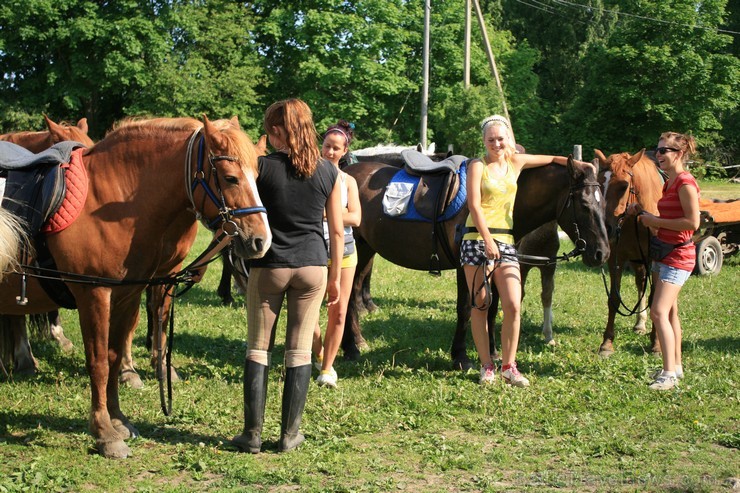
(296, 118)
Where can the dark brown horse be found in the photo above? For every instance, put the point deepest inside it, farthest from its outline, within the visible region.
(14, 326)
(149, 182)
(566, 194)
(628, 179)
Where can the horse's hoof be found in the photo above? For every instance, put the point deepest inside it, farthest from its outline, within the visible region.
(352, 355)
(116, 449)
(131, 379)
(26, 370)
(656, 350)
(639, 330)
(462, 364)
(65, 344)
(174, 376)
(125, 429)
(363, 346)
(550, 342)
(605, 353)
(370, 307)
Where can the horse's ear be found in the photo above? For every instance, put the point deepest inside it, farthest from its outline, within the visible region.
(50, 124)
(601, 158)
(572, 170)
(636, 157)
(211, 132)
(419, 148)
(82, 124)
(235, 121)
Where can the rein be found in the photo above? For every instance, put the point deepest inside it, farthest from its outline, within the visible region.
(537, 261)
(644, 260)
(580, 243)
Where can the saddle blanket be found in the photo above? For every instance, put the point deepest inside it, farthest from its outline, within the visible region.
(398, 198)
(75, 179)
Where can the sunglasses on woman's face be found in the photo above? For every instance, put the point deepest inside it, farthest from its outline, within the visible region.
(663, 150)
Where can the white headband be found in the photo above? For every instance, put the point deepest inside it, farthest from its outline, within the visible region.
(495, 119)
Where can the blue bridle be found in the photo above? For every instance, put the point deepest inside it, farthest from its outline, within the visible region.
(225, 214)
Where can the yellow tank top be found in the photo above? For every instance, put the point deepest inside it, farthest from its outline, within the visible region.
(497, 202)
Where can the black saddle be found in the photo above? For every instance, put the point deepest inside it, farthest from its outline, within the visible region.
(34, 191)
(439, 182)
(34, 186)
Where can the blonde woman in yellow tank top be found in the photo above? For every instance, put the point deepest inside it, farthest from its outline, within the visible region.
(488, 239)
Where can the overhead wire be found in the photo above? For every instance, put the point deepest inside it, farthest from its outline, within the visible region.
(642, 17)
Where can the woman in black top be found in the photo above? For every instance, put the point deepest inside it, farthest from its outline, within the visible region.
(296, 185)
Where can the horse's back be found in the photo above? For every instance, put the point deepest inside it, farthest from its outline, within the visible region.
(402, 242)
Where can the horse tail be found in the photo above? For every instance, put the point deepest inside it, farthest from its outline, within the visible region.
(12, 239)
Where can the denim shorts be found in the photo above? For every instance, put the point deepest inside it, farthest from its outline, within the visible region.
(473, 252)
(666, 273)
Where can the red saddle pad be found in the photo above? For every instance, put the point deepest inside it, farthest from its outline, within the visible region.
(75, 178)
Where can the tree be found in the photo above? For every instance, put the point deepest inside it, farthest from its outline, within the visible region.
(670, 74)
(107, 60)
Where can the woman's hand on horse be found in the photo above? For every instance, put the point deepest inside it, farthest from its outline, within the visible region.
(634, 210)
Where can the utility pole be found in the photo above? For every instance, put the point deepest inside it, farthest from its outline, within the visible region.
(489, 52)
(466, 61)
(425, 89)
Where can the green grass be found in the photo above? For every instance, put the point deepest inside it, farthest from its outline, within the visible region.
(720, 190)
(401, 419)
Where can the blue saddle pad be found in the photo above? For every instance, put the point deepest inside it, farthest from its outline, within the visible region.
(402, 176)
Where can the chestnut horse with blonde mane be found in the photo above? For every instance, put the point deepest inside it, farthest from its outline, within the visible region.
(628, 179)
(149, 183)
(21, 356)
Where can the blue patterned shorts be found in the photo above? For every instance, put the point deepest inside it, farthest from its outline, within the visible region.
(473, 252)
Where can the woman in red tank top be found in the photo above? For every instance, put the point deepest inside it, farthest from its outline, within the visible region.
(678, 218)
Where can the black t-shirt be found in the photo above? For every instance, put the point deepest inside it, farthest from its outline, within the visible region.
(295, 211)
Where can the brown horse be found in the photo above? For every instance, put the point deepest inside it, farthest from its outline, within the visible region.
(566, 194)
(57, 132)
(22, 357)
(149, 182)
(627, 179)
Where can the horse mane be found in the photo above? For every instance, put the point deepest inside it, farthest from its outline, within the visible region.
(242, 147)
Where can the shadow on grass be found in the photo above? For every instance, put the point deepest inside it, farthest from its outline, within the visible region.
(726, 344)
(25, 427)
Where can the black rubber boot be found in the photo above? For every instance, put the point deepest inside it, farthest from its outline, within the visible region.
(294, 400)
(255, 397)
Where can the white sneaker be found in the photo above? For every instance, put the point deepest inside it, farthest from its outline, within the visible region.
(664, 382)
(656, 373)
(327, 379)
(487, 374)
(514, 378)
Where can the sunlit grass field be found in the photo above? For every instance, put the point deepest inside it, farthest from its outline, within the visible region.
(402, 419)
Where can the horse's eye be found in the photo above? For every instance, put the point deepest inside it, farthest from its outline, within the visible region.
(232, 179)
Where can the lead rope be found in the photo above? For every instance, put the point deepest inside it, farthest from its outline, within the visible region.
(633, 196)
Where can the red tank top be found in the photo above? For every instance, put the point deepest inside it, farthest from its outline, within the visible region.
(669, 207)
